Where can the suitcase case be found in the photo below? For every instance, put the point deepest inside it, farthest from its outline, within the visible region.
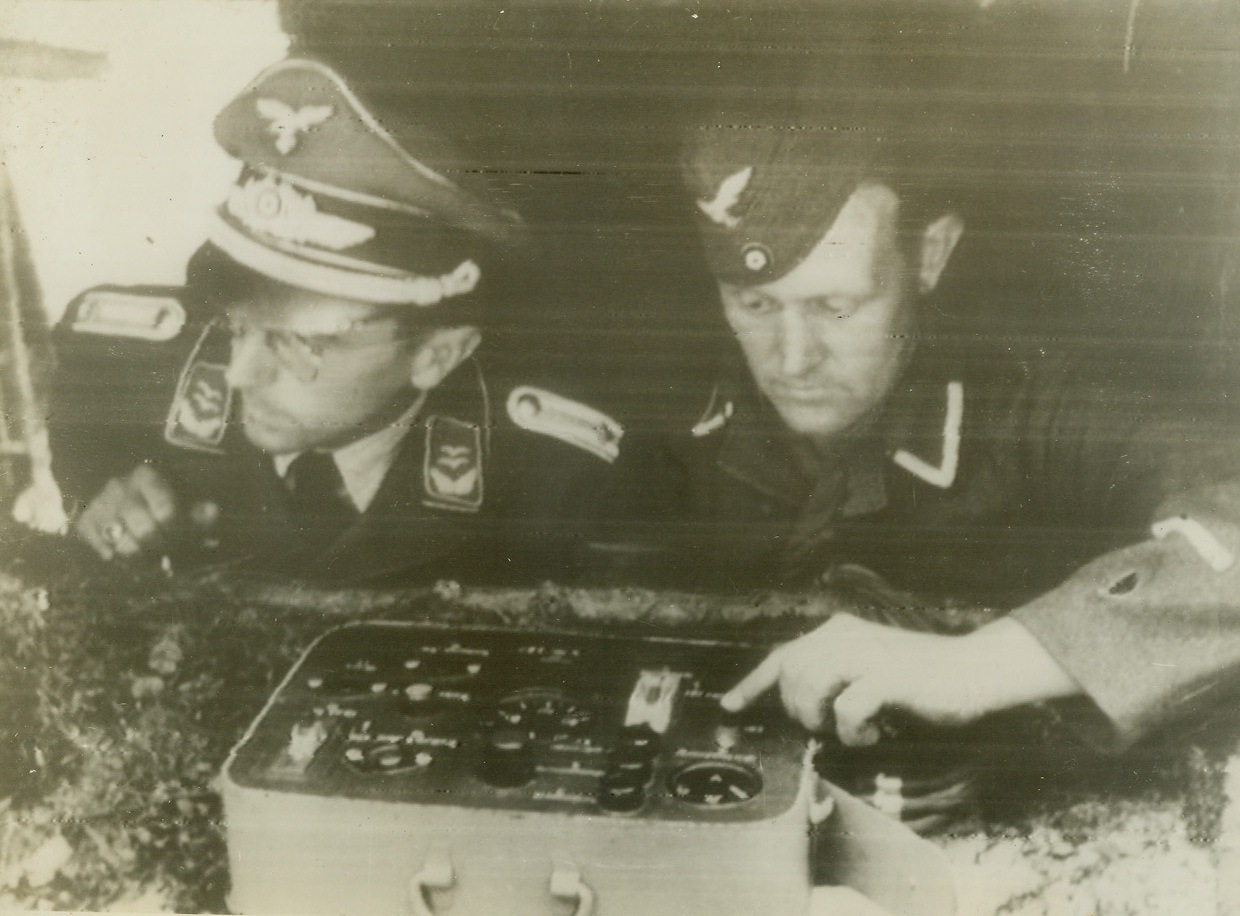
(413, 768)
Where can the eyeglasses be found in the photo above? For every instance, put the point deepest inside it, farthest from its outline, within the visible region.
(301, 354)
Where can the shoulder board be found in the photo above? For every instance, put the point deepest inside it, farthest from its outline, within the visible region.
(550, 414)
(126, 313)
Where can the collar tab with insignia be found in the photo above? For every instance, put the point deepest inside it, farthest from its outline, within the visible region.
(452, 465)
(198, 416)
(550, 414)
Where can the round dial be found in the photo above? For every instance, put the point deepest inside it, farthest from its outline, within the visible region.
(387, 759)
(545, 714)
(715, 783)
(440, 669)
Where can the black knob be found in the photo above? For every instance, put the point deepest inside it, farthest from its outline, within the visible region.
(636, 764)
(507, 759)
(621, 793)
(639, 740)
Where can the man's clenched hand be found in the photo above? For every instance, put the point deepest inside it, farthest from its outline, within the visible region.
(133, 514)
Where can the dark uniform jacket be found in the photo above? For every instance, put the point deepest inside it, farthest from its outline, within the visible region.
(1109, 528)
(472, 495)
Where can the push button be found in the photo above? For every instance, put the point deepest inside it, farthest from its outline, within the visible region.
(728, 730)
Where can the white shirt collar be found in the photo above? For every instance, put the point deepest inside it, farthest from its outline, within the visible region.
(364, 463)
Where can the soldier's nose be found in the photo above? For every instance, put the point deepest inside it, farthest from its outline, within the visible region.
(798, 347)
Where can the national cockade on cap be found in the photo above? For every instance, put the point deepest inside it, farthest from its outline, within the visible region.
(330, 200)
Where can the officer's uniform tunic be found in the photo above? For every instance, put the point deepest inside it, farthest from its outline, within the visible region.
(472, 493)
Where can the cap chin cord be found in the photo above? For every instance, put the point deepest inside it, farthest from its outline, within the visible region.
(437, 874)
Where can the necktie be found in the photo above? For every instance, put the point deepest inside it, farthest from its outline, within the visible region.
(318, 502)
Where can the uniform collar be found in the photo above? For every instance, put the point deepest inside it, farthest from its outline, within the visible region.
(464, 396)
(457, 410)
(919, 433)
(924, 426)
(757, 449)
(364, 463)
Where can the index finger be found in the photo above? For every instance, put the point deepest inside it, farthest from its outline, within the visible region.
(754, 684)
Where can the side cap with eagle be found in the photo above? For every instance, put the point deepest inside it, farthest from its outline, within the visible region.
(329, 199)
(766, 192)
(772, 164)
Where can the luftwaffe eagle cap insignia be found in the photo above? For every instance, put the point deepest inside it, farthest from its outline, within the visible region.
(334, 199)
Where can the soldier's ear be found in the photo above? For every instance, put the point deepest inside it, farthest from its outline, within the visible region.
(441, 351)
(938, 241)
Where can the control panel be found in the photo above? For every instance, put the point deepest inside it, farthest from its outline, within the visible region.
(607, 725)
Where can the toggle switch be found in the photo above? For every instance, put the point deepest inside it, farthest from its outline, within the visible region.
(653, 700)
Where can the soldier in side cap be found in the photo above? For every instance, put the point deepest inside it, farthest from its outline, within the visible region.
(312, 400)
(855, 439)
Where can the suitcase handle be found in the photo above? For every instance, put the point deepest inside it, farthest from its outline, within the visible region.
(437, 874)
(567, 884)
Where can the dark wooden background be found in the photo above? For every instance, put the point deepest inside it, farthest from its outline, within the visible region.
(1098, 141)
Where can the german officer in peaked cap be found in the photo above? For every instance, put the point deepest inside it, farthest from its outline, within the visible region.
(312, 400)
(854, 438)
